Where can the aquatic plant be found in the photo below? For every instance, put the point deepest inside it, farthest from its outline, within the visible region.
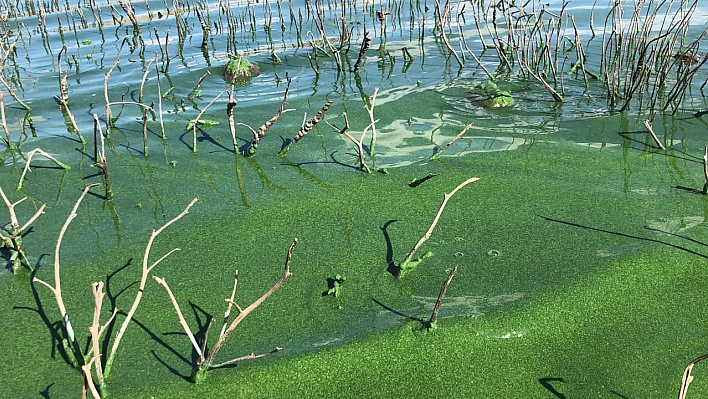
(239, 69)
(306, 127)
(488, 95)
(335, 284)
(205, 360)
(409, 263)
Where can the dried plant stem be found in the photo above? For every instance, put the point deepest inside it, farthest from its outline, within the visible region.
(97, 330)
(231, 302)
(404, 265)
(56, 289)
(359, 145)
(365, 44)
(206, 363)
(29, 159)
(372, 125)
(199, 83)
(143, 280)
(159, 101)
(109, 116)
(182, 321)
(230, 113)
(140, 100)
(196, 121)
(438, 303)
(687, 377)
(647, 124)
(13, 95)
(705, 170)
(8, 140)
(14, 241)
(307, 127)
(101, 162)
(437, 154)
(257, 136)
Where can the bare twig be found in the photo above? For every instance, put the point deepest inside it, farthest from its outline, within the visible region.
(29, 158)
(146, 270)
(647, 124)
(437, 154)
(182, 321)
(407, 263)
(687, 377)
(196, 121)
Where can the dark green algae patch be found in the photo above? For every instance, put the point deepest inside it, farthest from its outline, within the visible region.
(582, 298)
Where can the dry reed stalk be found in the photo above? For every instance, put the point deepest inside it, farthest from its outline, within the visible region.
(647, 124)
(29, 159)
(13, 242)
(196, 121)
(408, 262)
(687, 377)
(72, 344)
(257, 136)
(230, 113)
(159, 103)
(143, 279)
(96, 331)
(365, 44)
(8, 140)
(306, 127)
(372, 125)
(205, 363)
(109, 116)
(359, 145)
(100, 160)
(441, 296)
(437, 154)
(140, 100)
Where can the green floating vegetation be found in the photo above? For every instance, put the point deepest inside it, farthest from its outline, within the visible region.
(240, 68)
(406, 264)
(202, 123)
(488, 95)
(336, 284)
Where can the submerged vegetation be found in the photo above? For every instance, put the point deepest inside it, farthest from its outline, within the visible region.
(340, 62)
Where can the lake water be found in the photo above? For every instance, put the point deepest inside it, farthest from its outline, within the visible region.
(568, 191)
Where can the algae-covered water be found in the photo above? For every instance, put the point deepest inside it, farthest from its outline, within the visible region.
(581, 251)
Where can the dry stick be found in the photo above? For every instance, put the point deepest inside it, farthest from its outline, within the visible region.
(462, 39)
(86, 370)
(206, 363)
(14, 241)
(140, 100)
(437, 154)
(97, 330)
(372, 125)
(143, 279)
(687, 377)
(159, 101)
(405, 264)
(257, 136)
(109, 122)
(29, 159)
(196, 121)
(647, 124)
(228, 308)
(307, 127)
(444, 36)
(101, 161)
(182, 321)
(65, 105)
(8, 143)
(705, 170)
(13, 95)
(199, 83)
(56, 289)
(360, 147)
(365, 44)
(230, 113)
(438, 303)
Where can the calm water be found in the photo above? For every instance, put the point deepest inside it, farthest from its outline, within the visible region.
(545, 167)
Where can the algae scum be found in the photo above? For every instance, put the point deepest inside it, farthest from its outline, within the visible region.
(581, 250)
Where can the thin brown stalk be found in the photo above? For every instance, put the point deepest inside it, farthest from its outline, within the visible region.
(230, 113)
(359, 145)
(307, 127)
(438, 303)
(257, 136)
(140, 100)
(206, 363)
